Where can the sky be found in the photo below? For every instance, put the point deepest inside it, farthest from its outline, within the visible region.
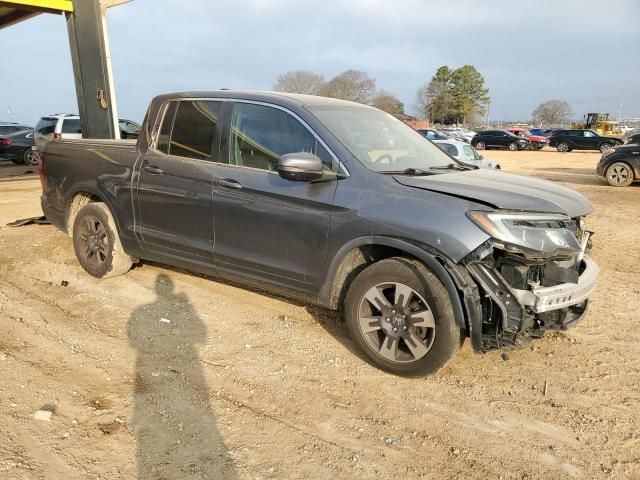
(585, 52)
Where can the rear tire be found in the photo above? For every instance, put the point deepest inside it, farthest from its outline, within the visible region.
(605, 147)
(619, 174)
(29, 157)
(97, 243)
(410, 299)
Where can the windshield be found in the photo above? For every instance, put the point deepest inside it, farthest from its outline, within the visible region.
(469, 153)
(380, 141)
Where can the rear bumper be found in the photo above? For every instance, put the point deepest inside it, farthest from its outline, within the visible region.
(55, 218)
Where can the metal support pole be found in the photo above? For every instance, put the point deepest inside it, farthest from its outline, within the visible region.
(91, 70)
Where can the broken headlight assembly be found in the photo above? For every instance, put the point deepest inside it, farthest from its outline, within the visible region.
(529, 232)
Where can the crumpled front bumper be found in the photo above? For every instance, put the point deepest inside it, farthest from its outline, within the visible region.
(545, 299)
(512, 317)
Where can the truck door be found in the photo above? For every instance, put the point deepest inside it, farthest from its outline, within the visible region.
(268, 228)
(174, 190)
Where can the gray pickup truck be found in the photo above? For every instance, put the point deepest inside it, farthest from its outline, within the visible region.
(336, 204)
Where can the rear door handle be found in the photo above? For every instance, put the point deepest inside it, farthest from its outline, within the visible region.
(229, 183)
(152, 169)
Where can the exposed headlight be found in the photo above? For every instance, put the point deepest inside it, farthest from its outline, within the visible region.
(541, 232)
(608, 152)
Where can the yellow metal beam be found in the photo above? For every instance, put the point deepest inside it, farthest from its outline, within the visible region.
(51, 6)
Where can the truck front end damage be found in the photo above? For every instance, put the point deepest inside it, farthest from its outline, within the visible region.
(533, 275)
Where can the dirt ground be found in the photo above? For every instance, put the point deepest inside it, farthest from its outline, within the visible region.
(161, 374)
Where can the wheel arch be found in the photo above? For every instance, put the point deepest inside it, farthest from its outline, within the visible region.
(361, 252)
(78, 198)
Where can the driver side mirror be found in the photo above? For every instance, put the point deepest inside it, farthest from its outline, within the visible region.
(300, 167)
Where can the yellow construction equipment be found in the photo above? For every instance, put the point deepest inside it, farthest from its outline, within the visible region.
(599, 122)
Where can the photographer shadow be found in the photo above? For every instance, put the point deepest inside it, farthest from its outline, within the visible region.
(175, 427)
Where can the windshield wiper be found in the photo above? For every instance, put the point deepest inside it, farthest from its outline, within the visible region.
(408, 171)
(451, 166)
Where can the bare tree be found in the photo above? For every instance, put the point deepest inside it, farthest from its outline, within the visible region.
(388, 102)
(352, 85)
(552, 112)
(299, 81)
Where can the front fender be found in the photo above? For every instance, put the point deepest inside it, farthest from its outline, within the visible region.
(428, 255)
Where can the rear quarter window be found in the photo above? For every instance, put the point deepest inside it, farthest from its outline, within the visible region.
(46, 126)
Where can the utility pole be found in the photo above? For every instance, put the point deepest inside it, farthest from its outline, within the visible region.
(620, 110)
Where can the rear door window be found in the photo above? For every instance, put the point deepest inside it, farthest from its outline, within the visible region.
(194, 128)
(71, 125)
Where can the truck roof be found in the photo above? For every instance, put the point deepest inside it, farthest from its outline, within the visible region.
(279, 98)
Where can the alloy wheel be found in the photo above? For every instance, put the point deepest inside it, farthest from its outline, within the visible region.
(396, 322)
(618, 174)
(94, 241)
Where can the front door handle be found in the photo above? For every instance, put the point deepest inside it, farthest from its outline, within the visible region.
(152, 169)
(229, 183)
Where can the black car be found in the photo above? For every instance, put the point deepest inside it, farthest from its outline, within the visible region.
(498, 139)
(620, 166)
(17, 147)
(567, 140)
(7, 128)
(635, 138)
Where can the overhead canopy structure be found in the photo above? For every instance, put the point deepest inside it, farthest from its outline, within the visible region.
(12, 12)
(89, 54)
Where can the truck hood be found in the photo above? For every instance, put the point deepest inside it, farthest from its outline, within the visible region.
(504, 190)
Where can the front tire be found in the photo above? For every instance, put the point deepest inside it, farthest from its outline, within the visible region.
(97, 243)
(400, 315)
(480, 146)
(619, 174)
(563, 147)
(513, 146)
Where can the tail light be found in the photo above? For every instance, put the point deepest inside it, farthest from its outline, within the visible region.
(5, 141)
(43, 178)
(57, 136)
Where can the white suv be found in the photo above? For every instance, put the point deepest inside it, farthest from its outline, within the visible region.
(56, 127)
(67, 126)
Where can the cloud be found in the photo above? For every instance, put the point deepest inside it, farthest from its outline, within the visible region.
(528, 52)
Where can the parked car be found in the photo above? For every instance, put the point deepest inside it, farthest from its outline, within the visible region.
(634, 138)
(536, 142)
(465, 153)
(17, 147)
(128, 129)
(620, 165)
(459, 133)
(537, 131)
(7, 128)
(432, 134)
(337, 204)
(67, 126)
(547, 133)
(582, 139)
(498, 139)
